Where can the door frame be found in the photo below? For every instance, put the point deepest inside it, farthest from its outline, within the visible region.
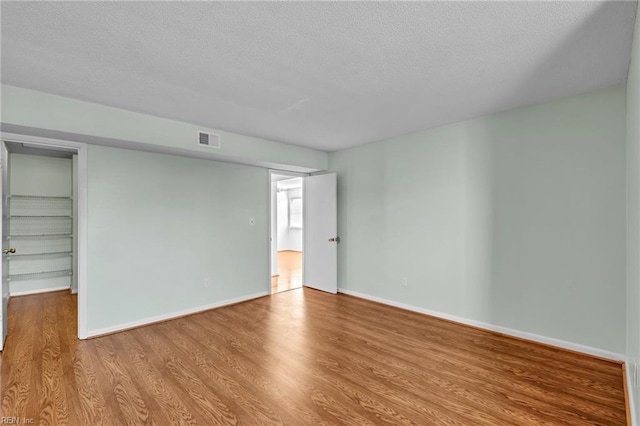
(270, 218)
(4, 154)
(82, 236)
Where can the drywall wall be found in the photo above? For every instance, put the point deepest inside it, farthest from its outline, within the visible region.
(39, 176)
(30, 111)
(295, 233)
(633, 217)
(515, 219)
(282, 212)
(168, 234)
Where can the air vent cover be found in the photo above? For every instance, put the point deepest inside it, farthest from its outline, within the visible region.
(210, 140)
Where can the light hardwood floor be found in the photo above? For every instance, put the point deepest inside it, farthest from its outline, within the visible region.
(300, 357)
(289, 271)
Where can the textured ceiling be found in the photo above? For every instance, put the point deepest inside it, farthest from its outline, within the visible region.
(318, 74)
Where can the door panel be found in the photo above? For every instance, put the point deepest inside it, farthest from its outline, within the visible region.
(320, 233)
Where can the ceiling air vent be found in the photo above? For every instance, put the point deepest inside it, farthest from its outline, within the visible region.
(210, 140)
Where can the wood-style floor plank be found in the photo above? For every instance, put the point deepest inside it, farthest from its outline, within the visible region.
(289, 271)
(295, 358)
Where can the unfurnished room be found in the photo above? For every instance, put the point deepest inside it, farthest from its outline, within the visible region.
(320, 213)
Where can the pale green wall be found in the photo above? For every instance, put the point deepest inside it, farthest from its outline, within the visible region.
(38, 110)
(633, 212)
(38, 175)
(43, 176)
(514, 219)
(160, 225)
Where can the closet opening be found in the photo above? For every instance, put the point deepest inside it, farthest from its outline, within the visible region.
(39, 223)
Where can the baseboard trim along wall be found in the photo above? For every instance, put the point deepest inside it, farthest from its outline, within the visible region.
(43, 290)
(173, 315)
(612, 356)
(628, 394)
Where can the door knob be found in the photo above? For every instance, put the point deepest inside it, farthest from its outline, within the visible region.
(9, 250)
(336, 239)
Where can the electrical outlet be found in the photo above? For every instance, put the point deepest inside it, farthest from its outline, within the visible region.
(207, 283)
(404, 282)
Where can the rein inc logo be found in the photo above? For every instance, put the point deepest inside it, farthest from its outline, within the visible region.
(17, 421)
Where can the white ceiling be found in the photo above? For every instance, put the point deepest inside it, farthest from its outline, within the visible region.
(318, 74)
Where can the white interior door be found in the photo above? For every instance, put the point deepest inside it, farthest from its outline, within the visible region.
(4, 266)
(320, 233)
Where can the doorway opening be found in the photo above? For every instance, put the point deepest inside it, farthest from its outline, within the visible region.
(42, 213)
(303, 249)
(43, 222)
(287, 221)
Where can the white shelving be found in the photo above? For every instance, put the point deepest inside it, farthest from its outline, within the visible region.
(40, 229)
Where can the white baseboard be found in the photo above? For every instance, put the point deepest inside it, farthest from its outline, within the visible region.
(43, 290)
(172, 315)
(74, 291)
(504, 330)
(629, 388)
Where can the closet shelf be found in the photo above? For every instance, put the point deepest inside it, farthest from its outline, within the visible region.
(40, 217)
(40, 275)
(46, 255)
(37, 236)
(38, 197)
